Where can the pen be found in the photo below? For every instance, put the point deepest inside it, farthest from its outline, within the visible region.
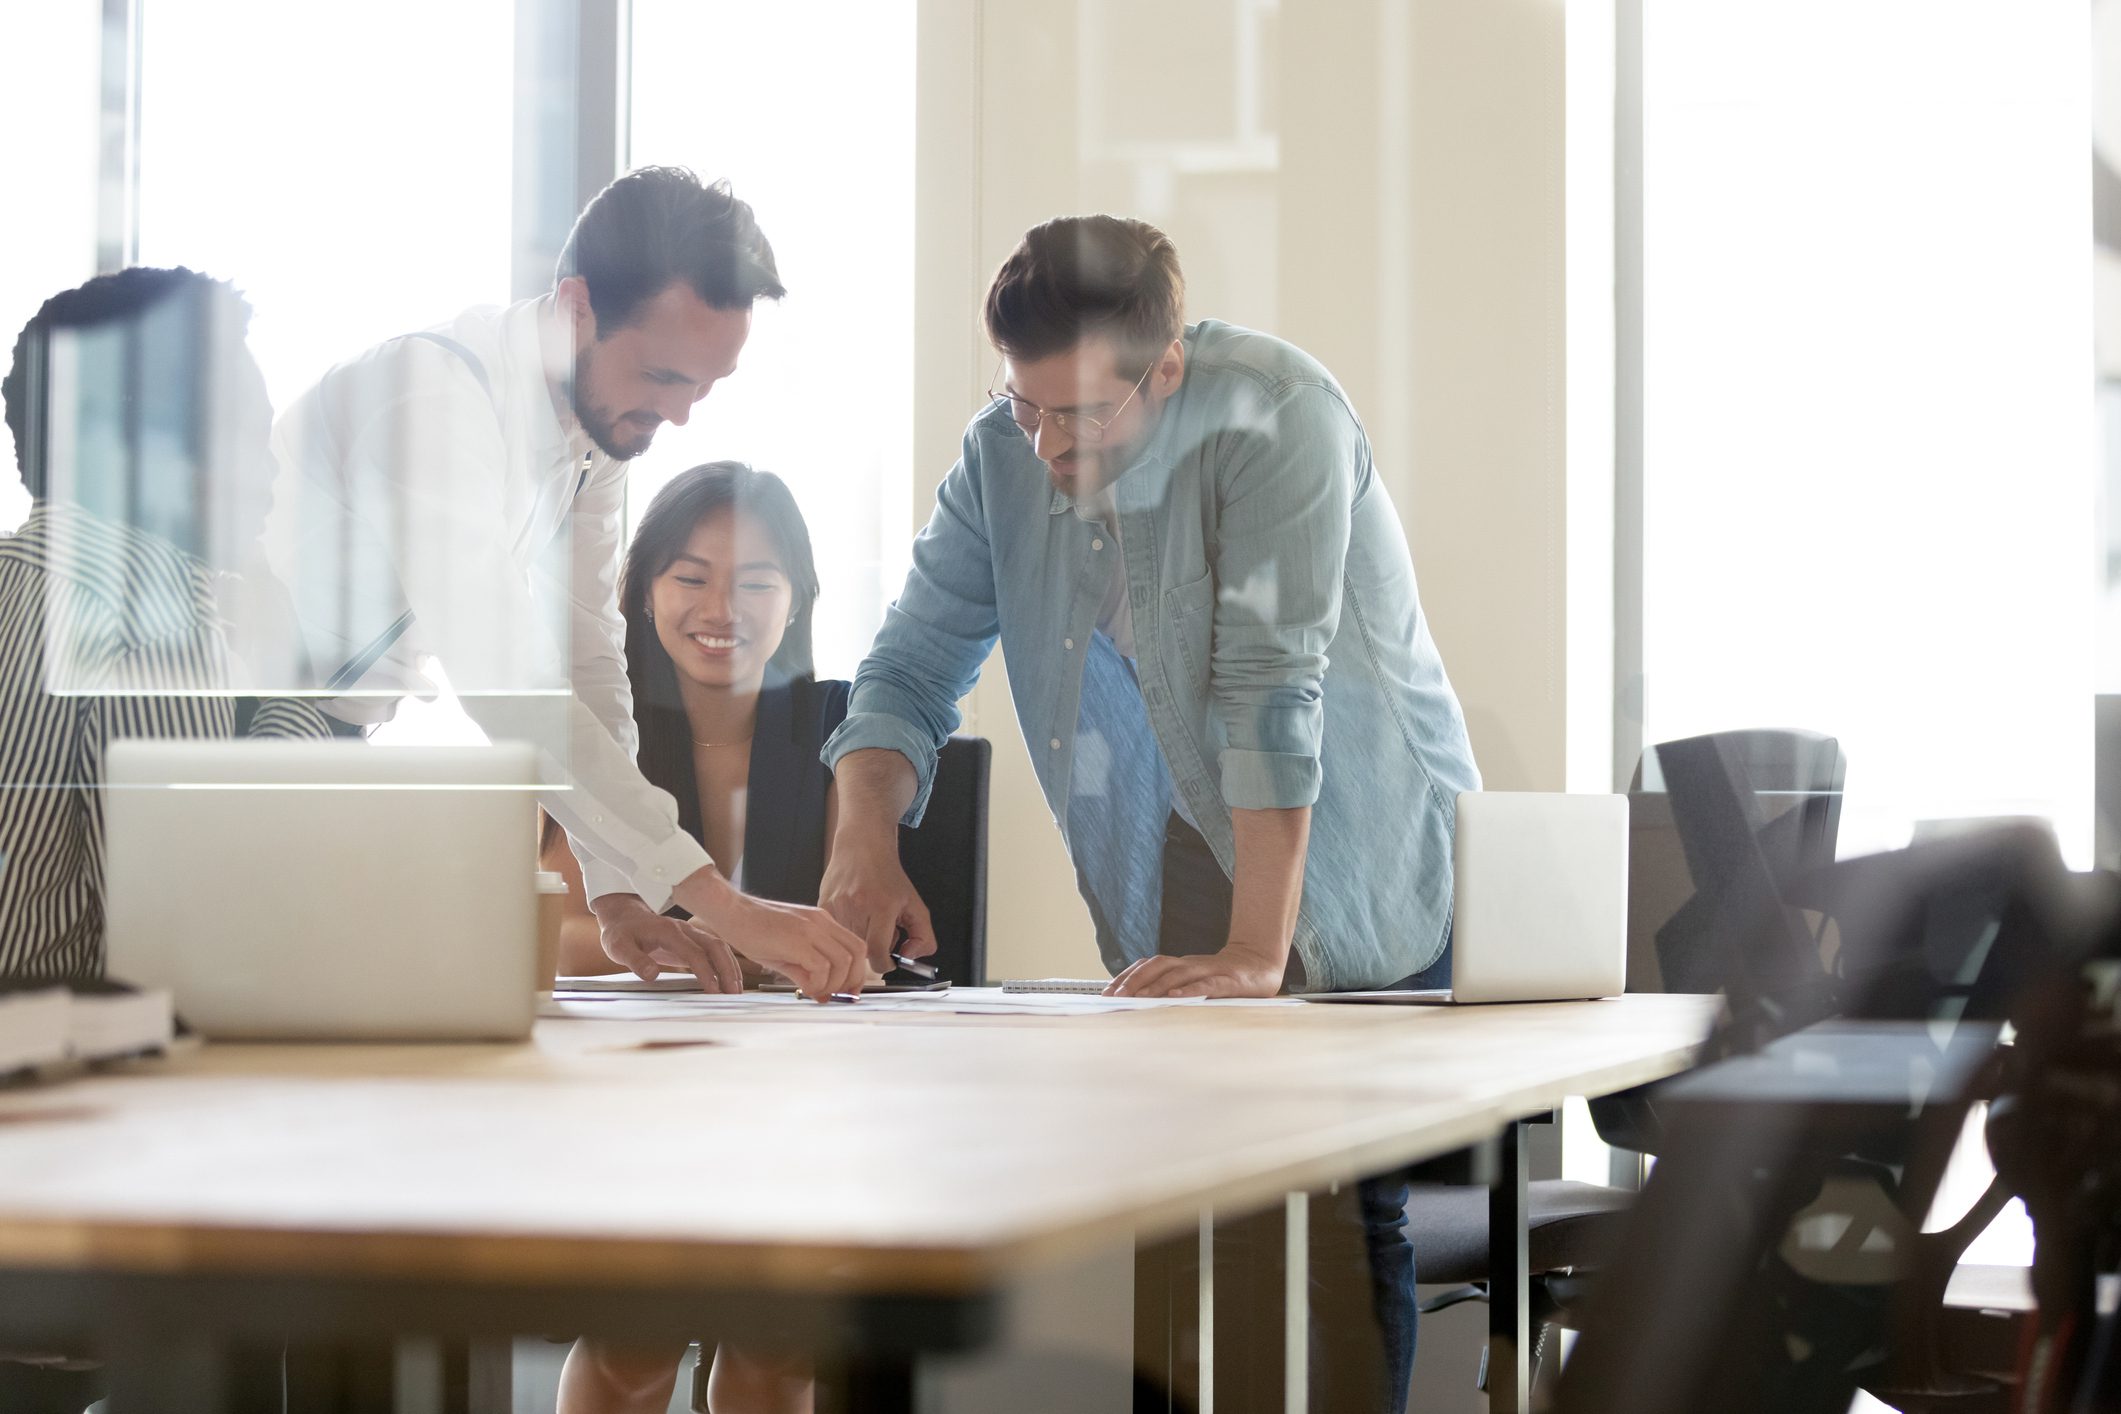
(923, 970)
(848, 997)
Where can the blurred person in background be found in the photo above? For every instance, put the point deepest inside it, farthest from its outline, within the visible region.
(141, 430)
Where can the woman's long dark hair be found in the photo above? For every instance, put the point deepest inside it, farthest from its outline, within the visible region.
(666, 528)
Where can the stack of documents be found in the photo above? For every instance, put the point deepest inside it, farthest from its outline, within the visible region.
(32, 1027)
(109, 1020)
(44, 1025)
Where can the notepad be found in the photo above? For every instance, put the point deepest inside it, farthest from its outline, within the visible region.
(627, 982)
(1079, 986)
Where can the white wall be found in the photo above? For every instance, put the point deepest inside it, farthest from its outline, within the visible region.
(1384, 182)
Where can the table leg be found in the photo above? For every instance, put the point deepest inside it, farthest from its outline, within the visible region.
(478, 1377)
(1296, 1303)
(1205, 1393)
(1509, 1277)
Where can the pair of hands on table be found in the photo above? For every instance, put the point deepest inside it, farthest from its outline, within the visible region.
(802, 944)
(868, 910)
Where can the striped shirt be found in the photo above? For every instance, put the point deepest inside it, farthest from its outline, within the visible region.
(105, 632)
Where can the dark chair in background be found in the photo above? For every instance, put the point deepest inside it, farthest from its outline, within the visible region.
(1779, 799)
(946, 858)
(1788, 784)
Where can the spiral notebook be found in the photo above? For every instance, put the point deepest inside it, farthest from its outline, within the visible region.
(1078, 986)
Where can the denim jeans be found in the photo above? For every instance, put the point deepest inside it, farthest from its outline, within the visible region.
(1361, 1264)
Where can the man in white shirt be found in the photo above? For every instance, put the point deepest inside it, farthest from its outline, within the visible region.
(458, 493)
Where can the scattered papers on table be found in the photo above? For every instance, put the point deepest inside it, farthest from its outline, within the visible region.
(959, 1001)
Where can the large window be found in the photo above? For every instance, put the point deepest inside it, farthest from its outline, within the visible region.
(1867, 483)
(374, 199)
(808, 111)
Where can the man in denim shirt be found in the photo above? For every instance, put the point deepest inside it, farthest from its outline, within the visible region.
(1217, 656)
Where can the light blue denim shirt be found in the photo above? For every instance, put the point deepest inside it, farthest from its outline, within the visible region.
(1284, 660)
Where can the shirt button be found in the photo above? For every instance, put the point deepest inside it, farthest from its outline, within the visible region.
(1098, 544)
(1069, 644)
(1055, 743)
(596, 819)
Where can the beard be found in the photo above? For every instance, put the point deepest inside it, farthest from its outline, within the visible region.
(610, 432)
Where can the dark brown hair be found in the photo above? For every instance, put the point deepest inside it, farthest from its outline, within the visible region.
(1079, 276)
(658, 225)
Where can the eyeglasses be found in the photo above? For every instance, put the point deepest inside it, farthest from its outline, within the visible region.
(1077, 426)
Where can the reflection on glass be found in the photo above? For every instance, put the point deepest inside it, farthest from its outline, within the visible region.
(132, 598)
(352, 181)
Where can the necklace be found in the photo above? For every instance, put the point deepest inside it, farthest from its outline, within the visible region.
(711, 745)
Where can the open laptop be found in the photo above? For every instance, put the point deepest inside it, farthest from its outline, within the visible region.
(1541, 901)
(325, 890)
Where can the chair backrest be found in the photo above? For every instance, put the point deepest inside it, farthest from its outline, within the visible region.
(946, 858)
(1788, 783)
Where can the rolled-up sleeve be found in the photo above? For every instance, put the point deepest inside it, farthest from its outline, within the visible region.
(1287, 491)
(935, 637)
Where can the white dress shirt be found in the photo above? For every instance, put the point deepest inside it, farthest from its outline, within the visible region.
(444, 473)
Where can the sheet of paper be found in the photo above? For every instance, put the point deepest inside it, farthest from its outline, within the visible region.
(958, 1001)
(617, 1006)
(626, 982)
(993, 1001)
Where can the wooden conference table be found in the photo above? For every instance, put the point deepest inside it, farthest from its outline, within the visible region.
(870, 1177)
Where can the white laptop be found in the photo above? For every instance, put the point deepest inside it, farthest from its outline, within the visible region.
(1541, 901)
(325, 889)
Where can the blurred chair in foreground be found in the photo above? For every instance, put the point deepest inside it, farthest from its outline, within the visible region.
(1775, 1261)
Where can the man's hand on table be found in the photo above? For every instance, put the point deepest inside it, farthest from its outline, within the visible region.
(648, 944)
(1239, 970)
(866, 889)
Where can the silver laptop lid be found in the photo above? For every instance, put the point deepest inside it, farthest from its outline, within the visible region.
(1541, 886)
(325, 889)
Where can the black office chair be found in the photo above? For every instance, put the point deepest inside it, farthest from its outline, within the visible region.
(946, 858)
(1702, 813)
(1681, 872)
